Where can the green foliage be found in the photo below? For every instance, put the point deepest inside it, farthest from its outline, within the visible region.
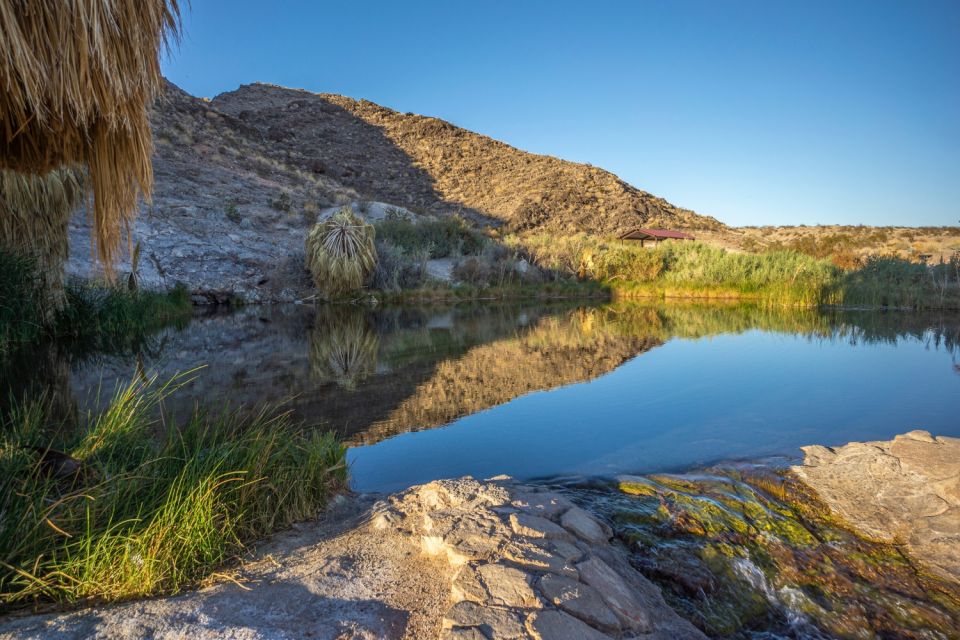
(438, 238)
(20, 303)
(398, 269)
(108, 509)
(232, 212)
(104, 317)
(108, 317)
(341, 254)
(283, 202)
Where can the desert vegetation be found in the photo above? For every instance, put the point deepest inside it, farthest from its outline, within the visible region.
(132, 502)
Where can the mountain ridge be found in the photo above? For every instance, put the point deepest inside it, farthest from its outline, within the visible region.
(428, 163)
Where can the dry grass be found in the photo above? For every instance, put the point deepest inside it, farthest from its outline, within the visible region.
(78, 76)
(850, 245)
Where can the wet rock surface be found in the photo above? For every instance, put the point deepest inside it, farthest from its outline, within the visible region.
(745, 549)
(442, 560)
(903, 491)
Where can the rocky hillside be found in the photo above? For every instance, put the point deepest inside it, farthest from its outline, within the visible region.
(240, 179)
(431, 165)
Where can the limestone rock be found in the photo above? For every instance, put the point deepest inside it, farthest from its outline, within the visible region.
(580, 600)
(906, 490)
(585, 526)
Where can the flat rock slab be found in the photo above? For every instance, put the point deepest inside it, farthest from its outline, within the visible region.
(450, 559)
(904, 491)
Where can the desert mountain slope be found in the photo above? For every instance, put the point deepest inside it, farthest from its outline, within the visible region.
(431, 165)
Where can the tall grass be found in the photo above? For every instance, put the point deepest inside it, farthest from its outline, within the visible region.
(101, 316)
(127, 504)
(697, 270)
(688, 269)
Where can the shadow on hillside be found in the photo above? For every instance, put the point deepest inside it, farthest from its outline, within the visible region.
(330, 140)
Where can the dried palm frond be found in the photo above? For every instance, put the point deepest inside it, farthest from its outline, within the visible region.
(340, 253)
(77, 78)
(343, 347)
(34, 214)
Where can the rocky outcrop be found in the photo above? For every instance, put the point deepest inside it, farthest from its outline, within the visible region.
(904, 491)
(450, 559)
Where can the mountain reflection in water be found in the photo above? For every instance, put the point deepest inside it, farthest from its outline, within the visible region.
(372, 374)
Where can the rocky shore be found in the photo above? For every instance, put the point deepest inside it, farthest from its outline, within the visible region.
(470, 559)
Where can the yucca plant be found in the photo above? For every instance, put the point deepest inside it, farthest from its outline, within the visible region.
(340, 253)
(343, 347)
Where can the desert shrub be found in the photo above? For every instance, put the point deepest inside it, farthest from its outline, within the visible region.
(340, 253)
(439, 238)
(398, 269)
(473, 270)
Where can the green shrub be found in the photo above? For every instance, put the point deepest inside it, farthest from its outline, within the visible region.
(129, 505)
(439, 238)
(397, 269)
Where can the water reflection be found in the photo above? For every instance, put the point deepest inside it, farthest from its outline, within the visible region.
(372, 374)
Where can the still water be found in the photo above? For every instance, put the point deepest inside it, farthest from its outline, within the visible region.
(549, 390)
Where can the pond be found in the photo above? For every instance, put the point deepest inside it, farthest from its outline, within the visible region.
(547, 390)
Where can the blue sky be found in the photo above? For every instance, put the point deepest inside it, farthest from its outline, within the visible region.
(755, 112)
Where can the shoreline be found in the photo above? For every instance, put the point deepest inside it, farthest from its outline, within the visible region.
(453, 558)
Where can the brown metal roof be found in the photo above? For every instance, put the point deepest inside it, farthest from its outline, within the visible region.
(655, 234)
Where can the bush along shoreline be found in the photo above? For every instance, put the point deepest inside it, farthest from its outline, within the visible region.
(133, 503)
(107, 317)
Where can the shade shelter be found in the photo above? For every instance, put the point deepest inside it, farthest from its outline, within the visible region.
(655, 235)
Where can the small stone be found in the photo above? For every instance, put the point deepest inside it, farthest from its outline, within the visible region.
(566, 550)
(539, 559)
(525, 524)
(556, 625)
(615, 592)
(508, 586)
(584, 526)
(580, 600)
(467, 586)
(490, 621)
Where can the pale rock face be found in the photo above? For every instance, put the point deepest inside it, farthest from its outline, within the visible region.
(457, 559)
(906, 490)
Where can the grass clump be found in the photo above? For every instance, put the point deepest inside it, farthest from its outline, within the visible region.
(340, 253)
(128, 505)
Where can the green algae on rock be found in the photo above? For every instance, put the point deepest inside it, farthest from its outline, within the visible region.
(745, 549)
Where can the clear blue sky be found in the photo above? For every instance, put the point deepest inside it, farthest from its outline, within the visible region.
(756, 112)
